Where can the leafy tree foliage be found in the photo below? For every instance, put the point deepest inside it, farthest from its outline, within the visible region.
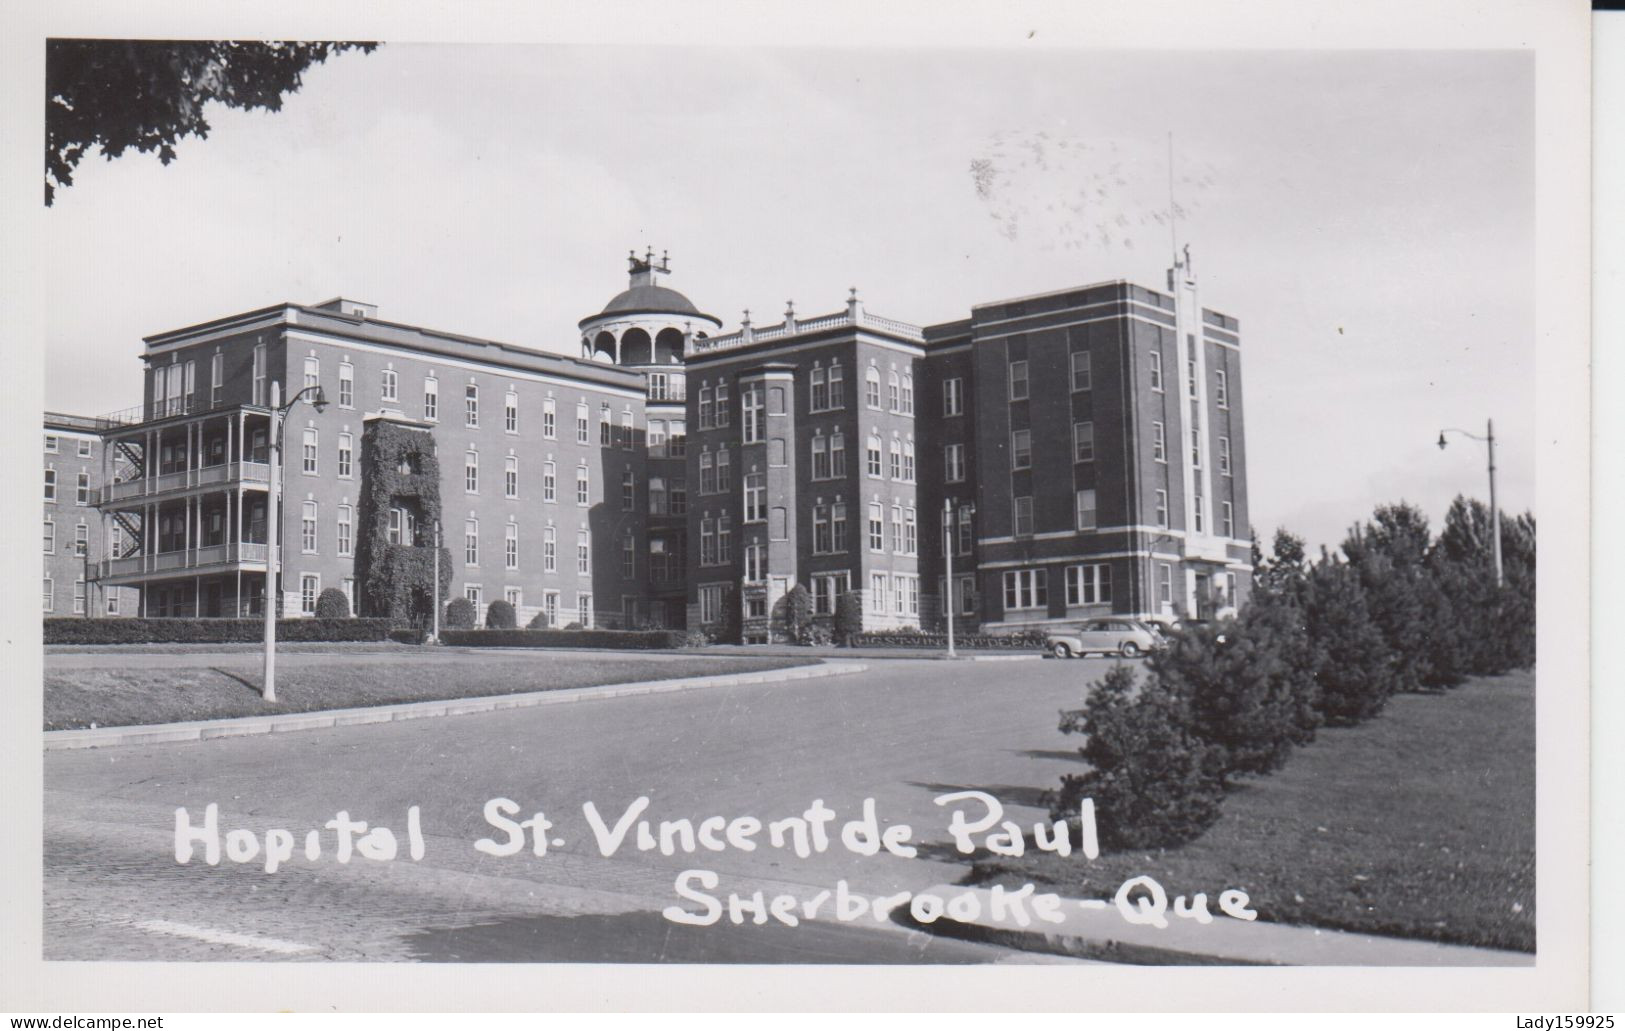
(399, 471)
(798, 613)
(1389, 555)
(848, 616)
(118, 94)
(1154, 782)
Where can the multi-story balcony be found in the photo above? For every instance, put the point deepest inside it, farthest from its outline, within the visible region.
(176, 483)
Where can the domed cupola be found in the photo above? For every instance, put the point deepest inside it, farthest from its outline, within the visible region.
(646, 325)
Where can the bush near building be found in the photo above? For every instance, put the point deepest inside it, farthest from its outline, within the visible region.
(69, 630)
(460, 614)
(500, 616)
(620, 639)
(541, 622)
(332, 604)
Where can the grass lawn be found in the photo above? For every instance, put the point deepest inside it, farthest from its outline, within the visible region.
(151, 693)
(1419, 824)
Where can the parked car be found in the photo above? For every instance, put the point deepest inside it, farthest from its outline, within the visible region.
(1114, 635)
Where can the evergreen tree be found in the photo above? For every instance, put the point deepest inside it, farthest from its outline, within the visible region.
(1355, 673)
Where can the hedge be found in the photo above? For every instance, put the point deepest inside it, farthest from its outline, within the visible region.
(630, 639)
(77, 630)
(916, 639)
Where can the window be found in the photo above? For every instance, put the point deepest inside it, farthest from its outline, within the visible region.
(896, 459)
(1026, 589)
(629, 556)
(908, 460)
(838, 527)
(871, 387)
(724, 416)
(1156, 371)
(1190, 372)
(84, 448)
(629, 492)
(346, 454)
(725, 479)
(1024, 516)
(953, 396)
(1159, 443)
(1224, 455)
(50, 537)
(191, 382)
(911, 532)
(510, 413)
(825, 589)
(894, 391)
(755, 562)
(965, 537)
(908, 394)
(679, 495)
(346, 530)
(49, 594)
(583, 553)
(655, 437)
(877, 526)
(837, 455)
(583, 432)
(307, 528)
(755, 498)
(1089, 585)
(346, 382)
(259, 374)
(1021, 449)
(1162, 508)
(755, 418)
(81, 491)
(217, 374)
(550, 419)
(510, 476)
(877, 592)
(402, 527)
(550, 605)
(897, 543)
(51, 445)
(112, 601)
(311, 456)
(388, 386)
(1221, 389)
(50, 485)
(627, 434)
(471, 405)
(550, 481)
(1229, 519)
(837, 386)
(708, 473)
(1087, 517)
(474, 595)
(907, 595)
(708, 542)
(1018, 381)
(1083, 442)
(820, 390)
(820, 457)
(471, 542)
(514, 596)
(873, 454)
(1165, 583)
(710, 603)
(583, 486)
(659, 386)
(431, 398)
(822, 541)
(1081, 374)
(81, 540)
(1201, 519)
(705, 408)
(471, 471)
(310, 585)
(550, 550)
(677, 442)
(313, 372)
(1196, 449)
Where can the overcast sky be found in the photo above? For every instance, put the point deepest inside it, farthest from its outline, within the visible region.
(1367, 216)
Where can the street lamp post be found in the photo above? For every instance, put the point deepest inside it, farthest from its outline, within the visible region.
(1495, 509)
(948, 569)
(273, 550)
(434, 599)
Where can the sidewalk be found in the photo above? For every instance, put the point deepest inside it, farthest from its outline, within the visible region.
(1100, 932)
(201, 730)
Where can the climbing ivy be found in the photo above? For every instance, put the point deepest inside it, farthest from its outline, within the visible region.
(399, 469)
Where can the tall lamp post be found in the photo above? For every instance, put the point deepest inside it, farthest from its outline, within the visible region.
(273, 550)
(1495, 509)
(948, 541)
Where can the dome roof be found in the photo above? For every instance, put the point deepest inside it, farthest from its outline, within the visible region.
(651, 299)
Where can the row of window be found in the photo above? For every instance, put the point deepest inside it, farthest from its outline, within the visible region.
(81, 538)
(81, 495)
(79, 597)
(827, 394)
(1082, 379)
(1026, 589)
(53, 445)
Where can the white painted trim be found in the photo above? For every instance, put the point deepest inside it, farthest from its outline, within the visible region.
(751, 351)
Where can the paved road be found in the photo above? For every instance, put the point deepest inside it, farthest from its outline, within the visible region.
(902, 733)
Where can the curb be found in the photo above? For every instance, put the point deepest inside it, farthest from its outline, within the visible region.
(1104, 936)
(246, 726)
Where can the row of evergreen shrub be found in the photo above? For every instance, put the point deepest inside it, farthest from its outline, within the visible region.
(77, 630)
(619, 639)
(1025, 640)
(1327, 642)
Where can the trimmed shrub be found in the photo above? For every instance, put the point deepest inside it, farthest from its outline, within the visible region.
(619, 639)
(332, 604)
(540, 622)
(78, 630)
(818, 634)
(460, 614)
(409, 635)
(848, 617)
(1026, 639)
(1155, 784)
(500, 616)
(798, 613)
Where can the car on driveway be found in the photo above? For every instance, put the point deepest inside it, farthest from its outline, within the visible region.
(1115, 635)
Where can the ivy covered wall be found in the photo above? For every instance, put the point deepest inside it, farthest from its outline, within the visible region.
(399, 470)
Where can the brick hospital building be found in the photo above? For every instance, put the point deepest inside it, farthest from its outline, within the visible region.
(1073, 453)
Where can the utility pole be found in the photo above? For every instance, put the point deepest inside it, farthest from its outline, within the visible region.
(434, 600)
(948, 569)
(272, 507)
(1495, 508)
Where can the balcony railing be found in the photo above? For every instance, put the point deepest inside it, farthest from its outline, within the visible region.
(164, 408)
(840, 320)
(226, 473)
(185, 560)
